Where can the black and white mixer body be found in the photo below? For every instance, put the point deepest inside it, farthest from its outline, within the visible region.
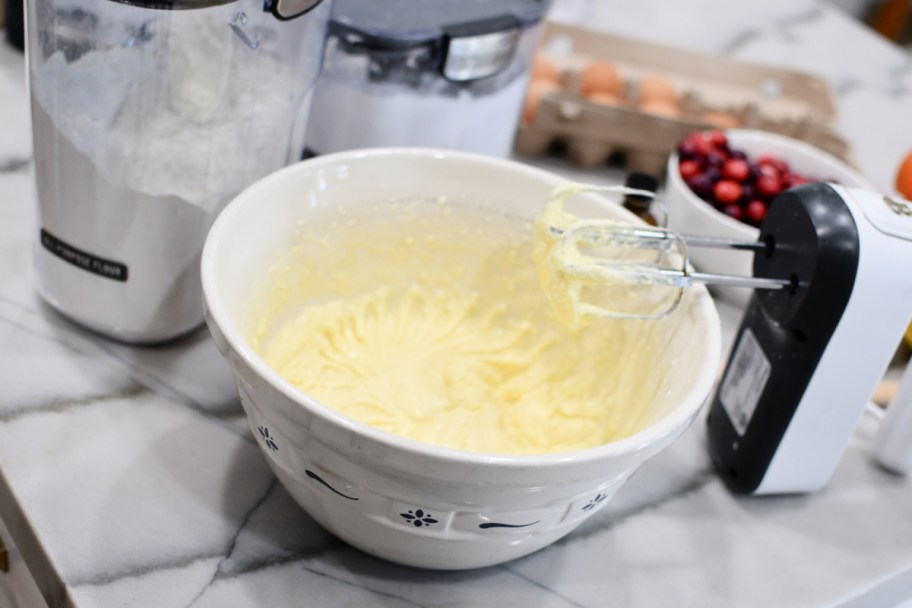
(806, 360)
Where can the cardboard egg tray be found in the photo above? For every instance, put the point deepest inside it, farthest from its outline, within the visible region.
(748, 96)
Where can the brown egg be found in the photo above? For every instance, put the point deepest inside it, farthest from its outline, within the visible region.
(544, 69)
(537, 89)
(600, 76)
(657, 88)
(722, 120)
(608, 99)
(660, 107)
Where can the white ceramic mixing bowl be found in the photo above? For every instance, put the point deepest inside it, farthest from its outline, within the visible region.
(406, 501)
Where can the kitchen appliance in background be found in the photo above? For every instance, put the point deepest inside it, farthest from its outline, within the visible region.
(807, 360)
(147, 117)
(448, 74)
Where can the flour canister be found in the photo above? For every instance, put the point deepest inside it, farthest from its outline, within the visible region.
(147, 117)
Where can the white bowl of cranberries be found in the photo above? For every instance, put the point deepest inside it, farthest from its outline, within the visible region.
(720, 183)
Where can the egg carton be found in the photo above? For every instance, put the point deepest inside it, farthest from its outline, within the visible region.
(713, 92)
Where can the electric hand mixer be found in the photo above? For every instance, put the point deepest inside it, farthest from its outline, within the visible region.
(811, 347)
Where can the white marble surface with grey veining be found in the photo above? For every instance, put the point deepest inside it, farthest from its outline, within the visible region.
(134, 481)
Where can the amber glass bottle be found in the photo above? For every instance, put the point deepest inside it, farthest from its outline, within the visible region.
(638, 204)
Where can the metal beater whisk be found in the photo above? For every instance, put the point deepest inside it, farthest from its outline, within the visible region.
(616, 258)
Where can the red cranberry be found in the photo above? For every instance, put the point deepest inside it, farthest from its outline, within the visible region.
(715, 160)
(718, 139)
(727, 191)
(700, 144)
(734, 211)
(714, 173)
(687, 149)
(769, 185)
(755, 172)
(774, 161)
(756, 211)
(748, 191)
(693, 136)
(768, 169)
(688, 168)
(736, 169)
(701, 184)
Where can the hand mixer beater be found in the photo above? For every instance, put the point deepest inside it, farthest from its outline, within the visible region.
(598, 267)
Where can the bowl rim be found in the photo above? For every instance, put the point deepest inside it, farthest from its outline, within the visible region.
(673, 176)
(675, 420)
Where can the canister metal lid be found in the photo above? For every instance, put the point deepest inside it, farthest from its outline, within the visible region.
(173, 5)
(283, 9)
(403, 24)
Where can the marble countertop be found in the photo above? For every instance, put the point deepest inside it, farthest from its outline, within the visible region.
(129, 477)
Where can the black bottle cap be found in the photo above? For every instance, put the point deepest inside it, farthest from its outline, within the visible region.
(15, 24)
(641, 181)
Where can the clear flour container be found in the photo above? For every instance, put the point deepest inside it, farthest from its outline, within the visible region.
(436, 73)
(148, 116)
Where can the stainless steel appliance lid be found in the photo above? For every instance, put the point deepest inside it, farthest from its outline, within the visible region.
(403, 24)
